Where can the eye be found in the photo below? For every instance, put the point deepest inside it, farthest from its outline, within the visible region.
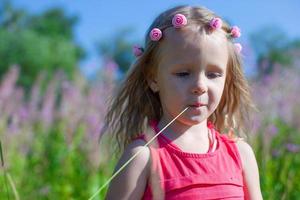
(213, 75)
(182, 74)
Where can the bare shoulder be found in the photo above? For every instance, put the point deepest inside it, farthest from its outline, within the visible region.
(250, 171)
(247, 156)
(245, 150)
(130, 183)
(137, 146)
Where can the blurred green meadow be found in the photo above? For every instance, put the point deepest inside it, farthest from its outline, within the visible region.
(51, 115)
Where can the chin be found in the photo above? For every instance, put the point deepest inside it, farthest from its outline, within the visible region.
(193, 120)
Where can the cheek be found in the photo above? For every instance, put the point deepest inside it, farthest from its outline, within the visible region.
(172, 92)
(216, 93)
(171, 85)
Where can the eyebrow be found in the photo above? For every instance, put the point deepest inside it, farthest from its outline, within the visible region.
(212, 66)
(215, 66)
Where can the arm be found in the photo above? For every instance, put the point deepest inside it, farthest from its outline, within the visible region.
(130, 183)
(250, 171)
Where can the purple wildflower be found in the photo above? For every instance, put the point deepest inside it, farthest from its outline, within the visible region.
(291, 147)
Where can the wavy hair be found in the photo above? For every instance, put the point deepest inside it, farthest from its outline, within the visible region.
(134, 103)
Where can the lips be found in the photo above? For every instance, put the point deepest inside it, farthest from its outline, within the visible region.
(197, 104)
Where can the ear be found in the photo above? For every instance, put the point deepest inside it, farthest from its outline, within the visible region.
(153, 85)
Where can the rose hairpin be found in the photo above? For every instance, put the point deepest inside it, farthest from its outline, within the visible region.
(235, 32)
(155, 34)
(215, 23)
(179, 21)
(137, 50)
(238, 47)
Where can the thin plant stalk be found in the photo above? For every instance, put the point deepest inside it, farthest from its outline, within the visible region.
(8, 177)
(128, 161)
(4, 175)
(13, 186)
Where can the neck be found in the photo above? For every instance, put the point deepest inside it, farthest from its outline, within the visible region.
(180, 130)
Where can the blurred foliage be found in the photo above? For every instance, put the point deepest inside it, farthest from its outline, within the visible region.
(50, 141)
(277, 160)
(275, 130)
(41, 42)
(118, 48)
(272, 46)
(53, 23)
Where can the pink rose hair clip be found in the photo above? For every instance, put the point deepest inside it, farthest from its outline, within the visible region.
(137, 50)
(155, 34)
(178, 21)
(215, 23)
(238, 47)
(235, 32)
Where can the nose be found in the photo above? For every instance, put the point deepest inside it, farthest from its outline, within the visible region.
(200, 86)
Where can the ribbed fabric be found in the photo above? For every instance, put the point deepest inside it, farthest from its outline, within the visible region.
(183, 176)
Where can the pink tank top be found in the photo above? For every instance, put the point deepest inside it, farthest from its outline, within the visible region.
(181, 175)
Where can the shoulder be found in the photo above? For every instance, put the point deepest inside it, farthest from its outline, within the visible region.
(137, 147)
(245, 150)
(130, 183)
(250, 170)
(140, 155)
(247, 155)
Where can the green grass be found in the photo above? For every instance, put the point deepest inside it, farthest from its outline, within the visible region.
(51, 166)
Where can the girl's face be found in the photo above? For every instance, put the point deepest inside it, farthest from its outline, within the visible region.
(191, 72)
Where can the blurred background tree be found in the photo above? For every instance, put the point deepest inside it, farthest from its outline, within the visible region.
(118, 48)
(42, 42)
(272, 46)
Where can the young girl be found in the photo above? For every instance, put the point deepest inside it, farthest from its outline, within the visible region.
(189, 61)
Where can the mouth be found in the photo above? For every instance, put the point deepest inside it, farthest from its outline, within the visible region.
(197, 105)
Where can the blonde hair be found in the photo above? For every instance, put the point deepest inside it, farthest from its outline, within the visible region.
(135, 103)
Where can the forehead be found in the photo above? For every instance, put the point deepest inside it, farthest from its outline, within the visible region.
(192, 46)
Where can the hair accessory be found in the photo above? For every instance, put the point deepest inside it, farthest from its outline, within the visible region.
(155, 34)
(235, 32)
(238, 47)
(215, 23)
(137, 50)
(179, 21)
